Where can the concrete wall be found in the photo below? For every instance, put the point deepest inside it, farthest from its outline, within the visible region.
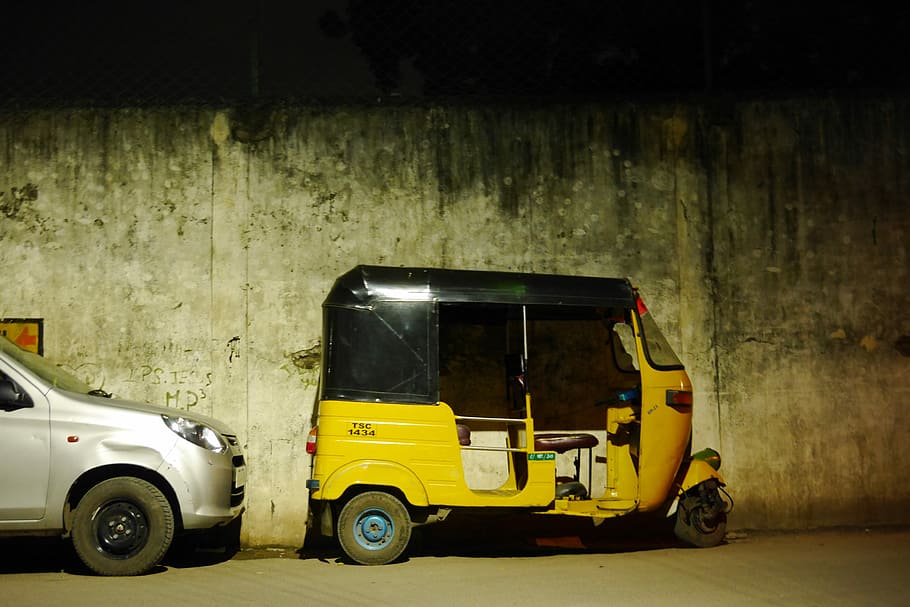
(180, 256)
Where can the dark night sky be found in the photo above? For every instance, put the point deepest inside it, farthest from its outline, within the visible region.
(168, 51)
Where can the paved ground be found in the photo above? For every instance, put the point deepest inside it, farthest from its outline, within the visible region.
(826, 568)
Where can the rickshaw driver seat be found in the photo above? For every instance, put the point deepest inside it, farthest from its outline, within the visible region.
(560, 443)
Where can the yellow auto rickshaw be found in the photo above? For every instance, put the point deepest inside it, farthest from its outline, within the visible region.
(426, 406)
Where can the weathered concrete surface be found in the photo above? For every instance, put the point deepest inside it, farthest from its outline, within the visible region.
(809, 569)
(181, 256)
(811, 225)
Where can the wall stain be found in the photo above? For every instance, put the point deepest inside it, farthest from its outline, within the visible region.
(233, 345)
(308, 358)
(869, 343)
(440, 137)
(252, 124)
(12, 203)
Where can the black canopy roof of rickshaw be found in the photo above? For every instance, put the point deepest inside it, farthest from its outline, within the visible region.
(381, 340)
(365, 285)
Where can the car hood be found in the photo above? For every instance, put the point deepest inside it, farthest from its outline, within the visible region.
(118, 403)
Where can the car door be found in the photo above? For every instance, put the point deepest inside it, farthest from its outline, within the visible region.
(24, 448)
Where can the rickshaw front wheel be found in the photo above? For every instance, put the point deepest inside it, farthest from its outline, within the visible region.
(374, 528)
(701, 518)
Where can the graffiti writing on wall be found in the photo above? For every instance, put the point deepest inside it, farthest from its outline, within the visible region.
(183, 388)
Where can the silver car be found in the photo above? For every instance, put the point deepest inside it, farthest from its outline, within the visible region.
(120, 478)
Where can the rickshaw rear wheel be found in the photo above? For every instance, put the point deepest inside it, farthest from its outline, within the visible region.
(701, 520)
(374, 528)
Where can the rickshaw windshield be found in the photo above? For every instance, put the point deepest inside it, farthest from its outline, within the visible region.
(657, 348)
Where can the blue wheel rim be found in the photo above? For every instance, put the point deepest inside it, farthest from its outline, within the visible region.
(374, 529)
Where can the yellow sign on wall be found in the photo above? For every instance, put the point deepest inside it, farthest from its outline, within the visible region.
(28, 333)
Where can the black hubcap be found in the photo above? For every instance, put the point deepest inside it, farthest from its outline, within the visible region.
(121, 529)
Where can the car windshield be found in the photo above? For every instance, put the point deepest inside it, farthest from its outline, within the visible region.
(44, 368)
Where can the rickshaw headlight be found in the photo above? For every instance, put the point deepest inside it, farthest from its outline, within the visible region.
(679, 398)
(710, 457)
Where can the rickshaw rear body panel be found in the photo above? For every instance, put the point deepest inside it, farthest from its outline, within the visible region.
(414, 448)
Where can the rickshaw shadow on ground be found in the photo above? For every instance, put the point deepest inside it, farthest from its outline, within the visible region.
(511, 535)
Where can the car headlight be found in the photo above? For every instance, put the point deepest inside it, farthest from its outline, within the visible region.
(197, 433)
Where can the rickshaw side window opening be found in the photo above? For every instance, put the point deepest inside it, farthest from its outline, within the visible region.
(473, 341)
(625, 354)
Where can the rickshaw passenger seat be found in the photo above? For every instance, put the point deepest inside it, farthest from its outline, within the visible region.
(464, 435)
(562, 442)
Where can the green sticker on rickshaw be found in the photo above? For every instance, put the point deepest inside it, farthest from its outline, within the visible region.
(541, 457)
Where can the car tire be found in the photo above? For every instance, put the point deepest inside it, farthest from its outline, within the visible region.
(122, 526)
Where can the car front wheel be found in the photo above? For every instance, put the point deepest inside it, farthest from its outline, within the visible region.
(122, 526)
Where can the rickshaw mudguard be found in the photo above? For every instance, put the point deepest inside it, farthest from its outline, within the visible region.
(376, 473)
(698, 472)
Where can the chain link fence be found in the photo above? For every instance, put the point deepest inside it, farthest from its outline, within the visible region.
(142, 53)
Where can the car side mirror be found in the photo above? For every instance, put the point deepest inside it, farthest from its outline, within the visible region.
(11, 397)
